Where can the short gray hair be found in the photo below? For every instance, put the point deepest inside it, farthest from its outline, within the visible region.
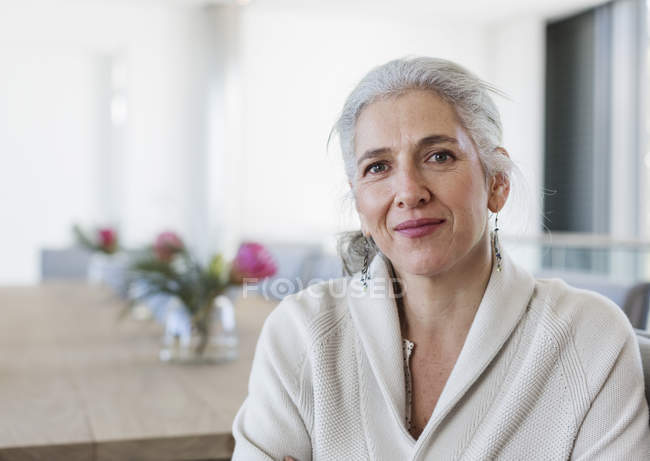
(466, 93)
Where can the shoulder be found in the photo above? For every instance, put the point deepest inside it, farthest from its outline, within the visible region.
(302, 318)
(583, 311)
(590, 324)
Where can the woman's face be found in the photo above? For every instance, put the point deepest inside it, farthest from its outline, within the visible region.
(415, 161)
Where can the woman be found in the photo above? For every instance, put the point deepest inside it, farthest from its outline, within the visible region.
(440, 346)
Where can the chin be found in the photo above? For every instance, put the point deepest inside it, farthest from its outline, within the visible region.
(425, 266)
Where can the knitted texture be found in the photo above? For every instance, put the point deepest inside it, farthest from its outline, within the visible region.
(521, 409)
(335, 384)
(546, 372)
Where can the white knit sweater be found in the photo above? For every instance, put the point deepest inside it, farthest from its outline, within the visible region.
(547, 372)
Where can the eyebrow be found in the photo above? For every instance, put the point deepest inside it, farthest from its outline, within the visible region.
(426, 141)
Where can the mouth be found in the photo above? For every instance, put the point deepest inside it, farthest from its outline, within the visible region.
(419, 227)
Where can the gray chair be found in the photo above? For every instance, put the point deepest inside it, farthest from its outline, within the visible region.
(637, 304)
(66, 263)
(644, 347)
(323, 267)
(293, 261)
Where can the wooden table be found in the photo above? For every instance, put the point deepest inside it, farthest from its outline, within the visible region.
(76, 384)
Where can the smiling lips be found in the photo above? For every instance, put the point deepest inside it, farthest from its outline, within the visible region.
(418, 227)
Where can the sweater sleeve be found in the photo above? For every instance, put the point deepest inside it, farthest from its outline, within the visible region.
(270, 424)
(616, 424)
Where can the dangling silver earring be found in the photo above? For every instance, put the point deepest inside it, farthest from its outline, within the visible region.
(495, 242)
(364, 269)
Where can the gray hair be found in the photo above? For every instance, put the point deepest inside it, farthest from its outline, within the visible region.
(465, 92)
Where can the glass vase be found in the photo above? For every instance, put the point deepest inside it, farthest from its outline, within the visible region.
(183, 343)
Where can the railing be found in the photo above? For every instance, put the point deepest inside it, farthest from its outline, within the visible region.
(625, 260)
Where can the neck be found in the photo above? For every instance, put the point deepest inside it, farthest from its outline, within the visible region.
(441, 308)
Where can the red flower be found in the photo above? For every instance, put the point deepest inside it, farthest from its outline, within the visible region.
(252, 261)
(107, 239)
(167, 245)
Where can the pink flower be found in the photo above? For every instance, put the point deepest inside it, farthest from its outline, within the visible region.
(252, 261)
(107, 239)
(167, 245)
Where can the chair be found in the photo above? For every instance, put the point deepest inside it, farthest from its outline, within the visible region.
(644, 347)
(321, 267)
(67, 263)
(293, 261)
(637, 304)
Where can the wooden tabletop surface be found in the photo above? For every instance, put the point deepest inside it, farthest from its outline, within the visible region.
(77, 384)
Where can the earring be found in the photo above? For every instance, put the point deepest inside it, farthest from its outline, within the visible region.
(495, 242)
(364, 269)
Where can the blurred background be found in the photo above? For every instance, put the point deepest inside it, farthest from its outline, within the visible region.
(191, 136)
(211, 119)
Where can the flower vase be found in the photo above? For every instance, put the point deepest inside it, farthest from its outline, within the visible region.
(184, 343)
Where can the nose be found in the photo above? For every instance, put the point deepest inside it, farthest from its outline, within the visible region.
(411, 189)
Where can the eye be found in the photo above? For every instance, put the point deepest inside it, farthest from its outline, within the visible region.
(442, 157)
(376, 168)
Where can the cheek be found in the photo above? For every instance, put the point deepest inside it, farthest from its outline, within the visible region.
(469, 200)
(372, 201)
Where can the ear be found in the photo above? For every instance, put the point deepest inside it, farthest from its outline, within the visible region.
(499, 188)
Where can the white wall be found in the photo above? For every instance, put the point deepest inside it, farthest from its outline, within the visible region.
(61, 160)
(517, 67)
(48, 127)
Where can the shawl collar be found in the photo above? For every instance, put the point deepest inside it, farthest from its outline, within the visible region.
(375, 317)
